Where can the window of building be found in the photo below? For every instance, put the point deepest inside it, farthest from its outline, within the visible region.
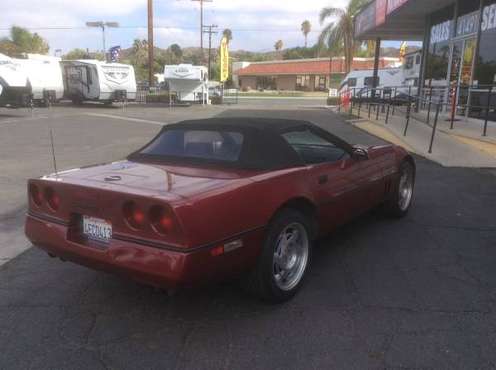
(266, 83)
(302, 82)
(320, 83)
(438, 56)
(485, 69)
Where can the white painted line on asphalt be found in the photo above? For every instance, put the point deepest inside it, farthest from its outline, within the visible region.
(124, 118)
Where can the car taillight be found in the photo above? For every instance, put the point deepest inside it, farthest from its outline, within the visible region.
(52, 199)
(35, 194)
(134, 216)
(161, 220)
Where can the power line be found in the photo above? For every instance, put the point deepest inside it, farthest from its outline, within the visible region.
(165, 27)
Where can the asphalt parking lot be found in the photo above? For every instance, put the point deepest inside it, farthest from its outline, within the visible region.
(416, 293)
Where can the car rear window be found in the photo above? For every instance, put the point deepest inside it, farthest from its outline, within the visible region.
(200, 144)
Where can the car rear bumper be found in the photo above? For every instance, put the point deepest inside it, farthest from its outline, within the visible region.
(147, 264)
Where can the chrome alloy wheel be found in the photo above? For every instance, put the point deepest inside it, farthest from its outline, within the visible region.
(405, 188)
(290, 256)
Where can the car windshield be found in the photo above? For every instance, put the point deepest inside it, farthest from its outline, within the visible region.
(200, 144)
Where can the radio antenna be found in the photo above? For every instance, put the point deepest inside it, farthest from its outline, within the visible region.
(53, 153)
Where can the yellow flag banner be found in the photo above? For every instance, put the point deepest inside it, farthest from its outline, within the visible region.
(402, 51)
(224, 60)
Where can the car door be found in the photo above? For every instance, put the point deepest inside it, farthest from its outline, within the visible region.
(365, 175)
(333, 176)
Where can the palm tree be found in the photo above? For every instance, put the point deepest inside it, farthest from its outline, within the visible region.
(278, 46)
(341, 31)
(306, 27)
(227, 33)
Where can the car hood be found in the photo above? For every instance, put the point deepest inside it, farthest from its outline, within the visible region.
(173, 182)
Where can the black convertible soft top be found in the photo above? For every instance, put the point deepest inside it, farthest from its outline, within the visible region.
(263, 146)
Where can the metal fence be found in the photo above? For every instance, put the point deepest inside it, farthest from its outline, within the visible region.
(477, 101)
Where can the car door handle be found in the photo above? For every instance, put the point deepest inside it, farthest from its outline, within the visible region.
(323, 179)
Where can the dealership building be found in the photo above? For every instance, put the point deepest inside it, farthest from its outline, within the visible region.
(459, 38)
(316, 74)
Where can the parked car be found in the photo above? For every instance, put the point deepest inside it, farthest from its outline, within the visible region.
(217, 198)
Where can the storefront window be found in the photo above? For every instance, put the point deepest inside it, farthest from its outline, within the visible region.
(266, 83)
(439, 48)
(302, 82)
(485, 70)
(320, 83)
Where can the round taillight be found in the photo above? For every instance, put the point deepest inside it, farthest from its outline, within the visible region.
(52, 199)
(35, 195)
(133, 215)
(161, 219)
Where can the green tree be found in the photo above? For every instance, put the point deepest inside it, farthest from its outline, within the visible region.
(139, 58)
(227, 33)
(340, 33)
(306, 28)
(176, 53)
(77, 53)
(27, 42)
(278, 45)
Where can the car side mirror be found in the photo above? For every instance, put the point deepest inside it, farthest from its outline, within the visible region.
(360, 154)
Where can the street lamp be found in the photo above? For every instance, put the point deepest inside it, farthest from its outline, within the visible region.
(103, 25)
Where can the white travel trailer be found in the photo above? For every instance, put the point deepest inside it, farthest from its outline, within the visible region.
(15, 90)
(361, 81)
(189, 82)
(45, 76)
(93, 80)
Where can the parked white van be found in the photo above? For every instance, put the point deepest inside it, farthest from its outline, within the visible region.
(94, 80)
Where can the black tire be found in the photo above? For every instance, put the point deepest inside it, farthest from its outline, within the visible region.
(261, 281)
(393, 206)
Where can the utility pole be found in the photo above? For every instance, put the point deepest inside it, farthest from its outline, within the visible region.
(150, 43)
(201, 21)
(210, 30)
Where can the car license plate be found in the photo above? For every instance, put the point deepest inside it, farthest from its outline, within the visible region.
(97, 229)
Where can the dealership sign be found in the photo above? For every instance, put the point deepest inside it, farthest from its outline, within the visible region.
(392, 5)
(488, 18)
(441, 32)
(467, 24)
(365, 20)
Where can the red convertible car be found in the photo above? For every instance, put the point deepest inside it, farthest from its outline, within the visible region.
(217, 198)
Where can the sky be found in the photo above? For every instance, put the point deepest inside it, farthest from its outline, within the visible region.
(256, 24)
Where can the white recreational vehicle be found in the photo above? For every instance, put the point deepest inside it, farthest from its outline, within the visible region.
(15, 90)
(45, 77)
(401, 80)
(360, 82)
(189, 82)
(93, 80)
